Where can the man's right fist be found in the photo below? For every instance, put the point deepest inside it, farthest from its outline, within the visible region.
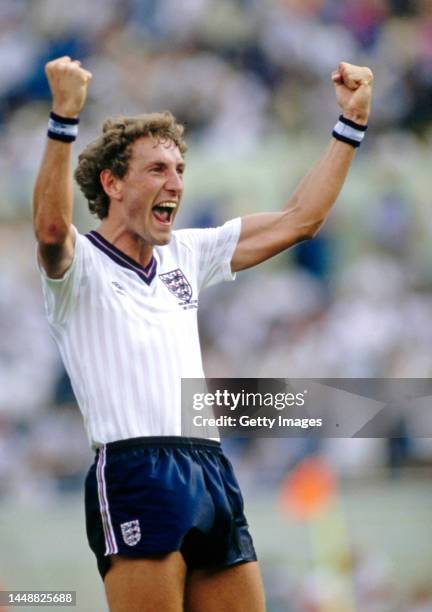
(68, 83)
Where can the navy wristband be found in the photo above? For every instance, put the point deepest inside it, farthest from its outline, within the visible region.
(64, 129)
(349, 131)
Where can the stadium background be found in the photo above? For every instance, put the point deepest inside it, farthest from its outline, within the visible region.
(251, 80)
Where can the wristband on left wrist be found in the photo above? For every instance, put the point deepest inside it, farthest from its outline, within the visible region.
(349, 131)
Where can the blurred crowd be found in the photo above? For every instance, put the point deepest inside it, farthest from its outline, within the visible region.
(250, 79)
(236, 71)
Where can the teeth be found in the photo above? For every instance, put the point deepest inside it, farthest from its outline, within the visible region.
(170, 205)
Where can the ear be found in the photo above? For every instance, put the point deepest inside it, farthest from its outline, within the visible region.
(112, 185)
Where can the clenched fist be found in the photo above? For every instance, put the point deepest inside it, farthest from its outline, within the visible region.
(68, 82)
(353, 86)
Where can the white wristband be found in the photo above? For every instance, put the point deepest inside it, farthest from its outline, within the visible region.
(349, 132)
(62, 128)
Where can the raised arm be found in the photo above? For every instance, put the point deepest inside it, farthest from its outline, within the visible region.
(53, 196)
(263, 235)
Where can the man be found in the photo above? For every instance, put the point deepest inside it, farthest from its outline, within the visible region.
(164, 513)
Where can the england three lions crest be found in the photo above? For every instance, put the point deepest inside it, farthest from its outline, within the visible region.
(131, 532)
(176, 282)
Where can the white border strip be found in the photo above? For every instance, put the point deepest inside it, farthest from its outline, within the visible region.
(349, 132)
(110, 541)
(65, 129)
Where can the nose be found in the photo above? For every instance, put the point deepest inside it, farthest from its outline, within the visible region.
(174, 182)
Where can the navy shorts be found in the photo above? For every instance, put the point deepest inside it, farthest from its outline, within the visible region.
(149, 496)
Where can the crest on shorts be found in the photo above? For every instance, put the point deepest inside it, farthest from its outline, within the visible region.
(131, 532)
(176, 282)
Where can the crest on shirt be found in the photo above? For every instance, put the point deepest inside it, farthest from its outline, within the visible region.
(176, 282)
(131, 532)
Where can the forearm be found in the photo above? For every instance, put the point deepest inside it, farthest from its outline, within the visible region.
(314, 197)
(53, 194)
(265, 235)
(309, 206)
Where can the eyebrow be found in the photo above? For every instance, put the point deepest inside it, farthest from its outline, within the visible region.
(160, 162)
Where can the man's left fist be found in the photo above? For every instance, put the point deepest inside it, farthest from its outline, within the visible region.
(353, 86)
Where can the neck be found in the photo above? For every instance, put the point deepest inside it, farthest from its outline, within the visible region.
(126, 241)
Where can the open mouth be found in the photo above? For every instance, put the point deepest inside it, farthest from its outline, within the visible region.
(163, 212)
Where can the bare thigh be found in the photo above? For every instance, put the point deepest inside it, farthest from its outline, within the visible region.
(232, 589)
(146, 585)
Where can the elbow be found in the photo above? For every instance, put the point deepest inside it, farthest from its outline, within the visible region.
(303, 227)
(315, 229)
(50, 223)
(51, 234)
(49, 231)
(309, 231)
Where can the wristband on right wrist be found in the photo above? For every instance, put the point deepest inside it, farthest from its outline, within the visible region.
(348, 131)
(64, 129)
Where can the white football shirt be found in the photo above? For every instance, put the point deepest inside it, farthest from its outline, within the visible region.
(128, 334)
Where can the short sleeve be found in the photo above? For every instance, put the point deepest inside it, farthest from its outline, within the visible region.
(61, 294)
(214, 248)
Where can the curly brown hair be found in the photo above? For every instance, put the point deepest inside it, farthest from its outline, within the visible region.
(113, 149)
